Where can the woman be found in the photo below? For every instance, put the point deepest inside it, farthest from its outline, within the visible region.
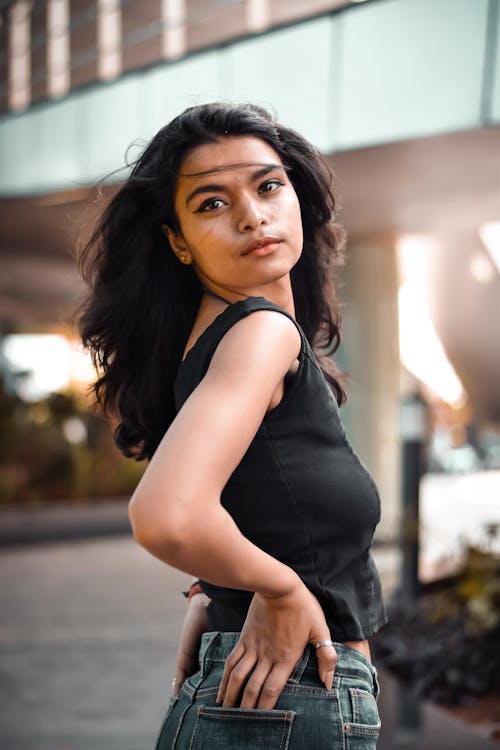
(212, 273)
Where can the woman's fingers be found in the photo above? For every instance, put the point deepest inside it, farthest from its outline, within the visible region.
(273, 685)
(327, 659)
(253, 688)
(262, 688)
(238, 676)
(265, 683)
(231, 661)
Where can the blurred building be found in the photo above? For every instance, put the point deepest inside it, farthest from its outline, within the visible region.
(402, 96)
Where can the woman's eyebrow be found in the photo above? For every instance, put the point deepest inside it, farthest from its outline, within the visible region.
(264, 170)
(212, 188)
(204, 189)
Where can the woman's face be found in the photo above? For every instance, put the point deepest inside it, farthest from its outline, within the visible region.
(231, 196)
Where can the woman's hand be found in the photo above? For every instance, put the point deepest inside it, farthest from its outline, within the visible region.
(195, 623)
(273, 638)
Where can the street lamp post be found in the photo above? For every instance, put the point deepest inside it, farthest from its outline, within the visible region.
(412, 430)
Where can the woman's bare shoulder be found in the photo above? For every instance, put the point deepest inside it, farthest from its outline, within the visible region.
(262, 341)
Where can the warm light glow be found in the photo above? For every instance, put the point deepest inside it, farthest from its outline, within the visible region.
(420, 347)
(414, 254)
(481, 268)
(39, 362)
(74, 430)
(490, 237)
(82, 370)
(421, 350)
(44, 363)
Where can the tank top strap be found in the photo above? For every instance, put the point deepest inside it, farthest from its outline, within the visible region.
(238, 310)
(195, 365)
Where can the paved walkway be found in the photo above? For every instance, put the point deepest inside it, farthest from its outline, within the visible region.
(88, 633)
(61, 521)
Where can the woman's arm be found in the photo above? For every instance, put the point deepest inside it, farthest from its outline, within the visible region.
(195, 623)
(176, 513)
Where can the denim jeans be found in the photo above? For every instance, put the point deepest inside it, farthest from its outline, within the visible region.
(306, 715)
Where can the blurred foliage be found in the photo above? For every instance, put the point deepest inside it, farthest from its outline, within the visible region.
(447, 646)
(59, 449)
(475, 597)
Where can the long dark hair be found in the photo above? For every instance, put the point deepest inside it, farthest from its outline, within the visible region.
(143, 302)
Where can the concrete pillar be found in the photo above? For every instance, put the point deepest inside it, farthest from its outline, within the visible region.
(370, 353)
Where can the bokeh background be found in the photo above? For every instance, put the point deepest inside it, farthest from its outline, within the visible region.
(403, 99)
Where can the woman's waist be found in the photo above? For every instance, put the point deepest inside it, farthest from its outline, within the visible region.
(362, 646)
(347, 624)
(216, 646)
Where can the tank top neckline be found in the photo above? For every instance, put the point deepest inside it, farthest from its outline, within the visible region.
(217, 318)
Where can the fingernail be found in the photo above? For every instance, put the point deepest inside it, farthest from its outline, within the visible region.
(328, 682)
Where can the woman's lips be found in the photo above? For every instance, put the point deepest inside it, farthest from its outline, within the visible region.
(263, 247)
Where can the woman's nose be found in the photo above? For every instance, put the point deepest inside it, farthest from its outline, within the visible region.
(252, 215)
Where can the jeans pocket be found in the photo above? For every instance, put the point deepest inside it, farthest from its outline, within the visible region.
(363, 721)
(242, 728)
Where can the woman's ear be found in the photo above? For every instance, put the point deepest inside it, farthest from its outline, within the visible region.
(177, 244)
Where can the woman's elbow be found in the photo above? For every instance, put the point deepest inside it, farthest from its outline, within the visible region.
(153, 532)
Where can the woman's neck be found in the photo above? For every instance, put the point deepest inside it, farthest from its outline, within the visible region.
(210, 293)
(218, 296)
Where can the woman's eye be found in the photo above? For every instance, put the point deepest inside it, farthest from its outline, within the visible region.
(270, 186)
(210, 205)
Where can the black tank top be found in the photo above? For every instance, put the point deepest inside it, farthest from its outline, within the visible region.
(300, 493)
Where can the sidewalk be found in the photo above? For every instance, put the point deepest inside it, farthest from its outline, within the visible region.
(60, 521)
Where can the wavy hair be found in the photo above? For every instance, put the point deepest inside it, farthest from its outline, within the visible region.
(142, 301)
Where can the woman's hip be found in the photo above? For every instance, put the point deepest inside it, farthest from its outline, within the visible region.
(305, 715)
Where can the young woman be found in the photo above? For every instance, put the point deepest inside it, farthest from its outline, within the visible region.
(212, 274)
